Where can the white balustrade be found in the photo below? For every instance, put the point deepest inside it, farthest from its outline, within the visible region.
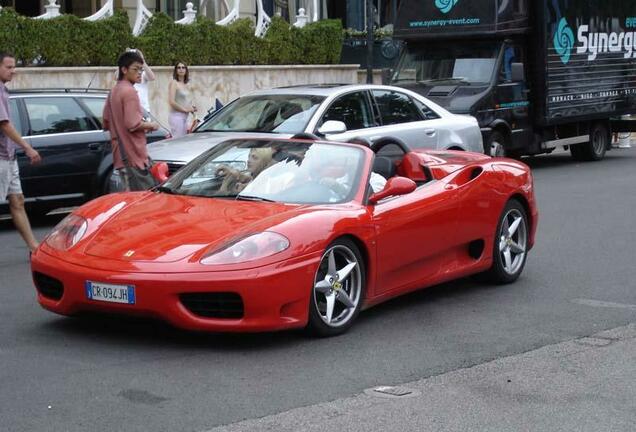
(52, 11)
(262, 20)
(105, 12)
(189, 15)
(143, 16)
(232, 15)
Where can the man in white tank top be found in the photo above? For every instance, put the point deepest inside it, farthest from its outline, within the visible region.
(142, 88)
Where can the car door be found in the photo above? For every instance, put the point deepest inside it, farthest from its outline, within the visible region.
(400, 116)
(71, 145)
(355, 111)
(414, 235)
(94, 105)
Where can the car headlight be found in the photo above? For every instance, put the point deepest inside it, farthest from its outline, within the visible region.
(250, 248)
(67, 233)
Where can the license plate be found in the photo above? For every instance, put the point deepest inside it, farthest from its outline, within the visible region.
(110, 293)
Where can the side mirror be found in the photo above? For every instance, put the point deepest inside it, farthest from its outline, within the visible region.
(394, 186)
(160, 171)
(331, 127)
(517, 73)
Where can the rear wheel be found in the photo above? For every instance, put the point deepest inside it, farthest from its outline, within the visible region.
(338, 290)
(595, 149)
(510, 247)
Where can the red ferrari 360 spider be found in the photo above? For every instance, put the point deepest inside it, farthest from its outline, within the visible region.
(258, 235)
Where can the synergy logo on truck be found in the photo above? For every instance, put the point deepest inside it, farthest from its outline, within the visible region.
(564, 40)
(593, 44)
(596, 43)
(445, 5)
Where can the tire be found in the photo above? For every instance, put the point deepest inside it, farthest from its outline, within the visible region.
(338, 290)
(495, 146)
(595, 149)
(510, 249)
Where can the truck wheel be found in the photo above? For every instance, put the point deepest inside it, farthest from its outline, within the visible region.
(495, 145)
(595, 149)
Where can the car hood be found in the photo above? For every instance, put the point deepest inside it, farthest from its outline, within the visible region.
(186, 148)
(167, 228)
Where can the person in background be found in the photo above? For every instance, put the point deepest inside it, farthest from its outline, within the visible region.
(147, 75)
(180, 100)
(10, 187)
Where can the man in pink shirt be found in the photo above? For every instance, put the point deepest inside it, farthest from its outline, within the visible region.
(123, 116)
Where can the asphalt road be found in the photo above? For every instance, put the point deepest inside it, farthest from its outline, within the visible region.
(72, 374)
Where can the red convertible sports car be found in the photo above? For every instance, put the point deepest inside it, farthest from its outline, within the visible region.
(258, 235)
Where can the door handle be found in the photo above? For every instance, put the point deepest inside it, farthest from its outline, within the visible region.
(430, 132)
(95, 147)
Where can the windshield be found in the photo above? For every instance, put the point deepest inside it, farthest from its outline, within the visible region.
(286, 114)
(281, 171)
(448, 64)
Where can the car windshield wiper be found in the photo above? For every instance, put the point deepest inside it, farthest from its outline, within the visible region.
(253, 198)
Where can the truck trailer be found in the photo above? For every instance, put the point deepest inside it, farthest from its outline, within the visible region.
(537, 74)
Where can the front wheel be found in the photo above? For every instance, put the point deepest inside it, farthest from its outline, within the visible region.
(495, 145)
(510, 247)
(338, 291)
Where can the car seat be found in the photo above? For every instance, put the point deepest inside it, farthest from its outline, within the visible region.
(384, 166)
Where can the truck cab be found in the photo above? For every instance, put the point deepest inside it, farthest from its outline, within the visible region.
(482, 78)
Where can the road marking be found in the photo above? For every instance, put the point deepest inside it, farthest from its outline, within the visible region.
(604, 304)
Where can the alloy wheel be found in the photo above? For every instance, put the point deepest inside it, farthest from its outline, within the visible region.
(338, 286)
(513, 241)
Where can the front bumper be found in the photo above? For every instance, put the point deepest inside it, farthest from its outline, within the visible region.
(275, 297)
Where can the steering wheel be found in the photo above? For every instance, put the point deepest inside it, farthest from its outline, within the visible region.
(385, 141)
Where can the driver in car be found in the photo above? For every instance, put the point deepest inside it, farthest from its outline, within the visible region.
(234, 181)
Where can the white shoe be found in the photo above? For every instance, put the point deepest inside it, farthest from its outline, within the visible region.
(623, 146)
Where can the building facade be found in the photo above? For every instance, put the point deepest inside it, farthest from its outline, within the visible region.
(352, 12)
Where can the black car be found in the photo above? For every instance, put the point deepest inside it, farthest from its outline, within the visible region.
(65, 127)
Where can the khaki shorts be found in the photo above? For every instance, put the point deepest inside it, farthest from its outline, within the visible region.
(9, 179)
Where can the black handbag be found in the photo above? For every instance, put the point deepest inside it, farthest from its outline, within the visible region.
(133, 178)
(136, 179)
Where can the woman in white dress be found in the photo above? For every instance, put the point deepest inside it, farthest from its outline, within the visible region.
(180, 100)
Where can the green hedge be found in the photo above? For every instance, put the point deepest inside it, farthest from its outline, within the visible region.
(71, 41)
